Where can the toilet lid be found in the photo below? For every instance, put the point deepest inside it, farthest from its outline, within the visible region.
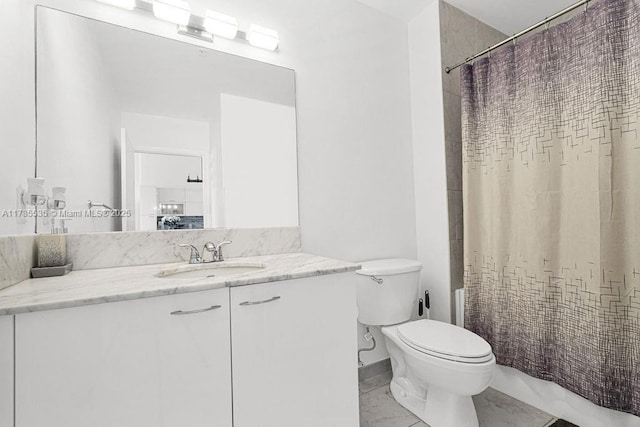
(445, 341)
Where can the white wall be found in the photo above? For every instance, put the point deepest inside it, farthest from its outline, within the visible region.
(215, 160)
(144, 130)
(259, 162)
(72, 83)
(429, 168)
(17, 108)
(432, 224)
(160, 170)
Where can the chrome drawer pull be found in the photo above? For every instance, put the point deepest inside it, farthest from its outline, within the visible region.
(260, 302)
(200, 310)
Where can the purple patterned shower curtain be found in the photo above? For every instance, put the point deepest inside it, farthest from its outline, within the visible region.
(551, 152)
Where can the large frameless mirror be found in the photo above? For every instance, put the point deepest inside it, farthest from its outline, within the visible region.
(148, 133)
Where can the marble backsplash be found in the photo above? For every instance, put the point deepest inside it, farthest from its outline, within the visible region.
(17, 256)
(105, 250)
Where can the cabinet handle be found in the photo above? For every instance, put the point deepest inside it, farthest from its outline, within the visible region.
(200, 310)
(260, 302)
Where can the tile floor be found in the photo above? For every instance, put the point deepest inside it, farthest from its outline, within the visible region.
(495, 409)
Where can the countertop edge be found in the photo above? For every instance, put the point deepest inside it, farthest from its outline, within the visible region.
(185, 288)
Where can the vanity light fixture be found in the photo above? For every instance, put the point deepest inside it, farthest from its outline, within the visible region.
(124, 4)
(262, 37)
(220, 25)
(204, 28)
(175, 11)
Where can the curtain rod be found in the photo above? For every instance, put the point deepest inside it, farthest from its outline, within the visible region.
(520, 34)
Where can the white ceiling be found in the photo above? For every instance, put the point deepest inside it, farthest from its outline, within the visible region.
(510, 16)
(401, 9)
(507, 16)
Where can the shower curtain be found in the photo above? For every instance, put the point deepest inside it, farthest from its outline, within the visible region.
(551, 154)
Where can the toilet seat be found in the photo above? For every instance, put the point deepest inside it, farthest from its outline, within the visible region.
(445, 341)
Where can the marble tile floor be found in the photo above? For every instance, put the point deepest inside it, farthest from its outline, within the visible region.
(495, 409)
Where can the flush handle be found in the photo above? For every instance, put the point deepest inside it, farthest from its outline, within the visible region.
(200, 310)
(259, 302)
(378, 280)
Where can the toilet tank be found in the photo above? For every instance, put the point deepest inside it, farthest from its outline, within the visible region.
(387, 291)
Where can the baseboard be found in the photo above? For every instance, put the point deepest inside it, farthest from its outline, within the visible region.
(373, 369)
(557, 401)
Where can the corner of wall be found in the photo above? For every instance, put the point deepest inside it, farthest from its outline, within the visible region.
(429, 159)
(17, 256)
(461, 36)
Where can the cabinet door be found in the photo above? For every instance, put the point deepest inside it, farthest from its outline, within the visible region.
(295, 354)
(6, 371)
(126, 364)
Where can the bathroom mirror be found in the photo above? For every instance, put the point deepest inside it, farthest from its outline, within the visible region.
(150, 133)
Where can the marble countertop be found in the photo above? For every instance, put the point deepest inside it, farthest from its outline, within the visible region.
(84, 287)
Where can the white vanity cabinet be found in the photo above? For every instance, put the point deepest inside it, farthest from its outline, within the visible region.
(274, 354)
(6, 371)
(126, 364)
(295, 353)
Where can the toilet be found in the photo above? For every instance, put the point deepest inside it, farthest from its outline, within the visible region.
(437, 366)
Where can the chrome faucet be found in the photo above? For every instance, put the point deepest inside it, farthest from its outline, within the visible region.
(215, 250)
(194, 257)
(219, 257)
(211, 248)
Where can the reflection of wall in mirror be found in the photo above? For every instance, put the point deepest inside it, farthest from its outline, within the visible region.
(259, 162)
(145, 211)
(78, 119)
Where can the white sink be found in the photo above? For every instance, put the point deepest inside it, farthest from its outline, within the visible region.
(213, 270)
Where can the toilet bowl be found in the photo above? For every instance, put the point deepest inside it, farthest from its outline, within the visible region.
(437, 366)
(437, 387)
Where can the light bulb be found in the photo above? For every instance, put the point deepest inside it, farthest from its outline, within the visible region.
(124, 4)
(221, 25)
(176, 11)
(262, 37)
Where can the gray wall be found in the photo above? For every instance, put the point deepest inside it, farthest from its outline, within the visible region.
(461, 36)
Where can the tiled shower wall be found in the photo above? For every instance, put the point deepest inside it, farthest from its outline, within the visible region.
(461, 36)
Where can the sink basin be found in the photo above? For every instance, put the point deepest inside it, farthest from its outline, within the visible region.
(202, 271)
